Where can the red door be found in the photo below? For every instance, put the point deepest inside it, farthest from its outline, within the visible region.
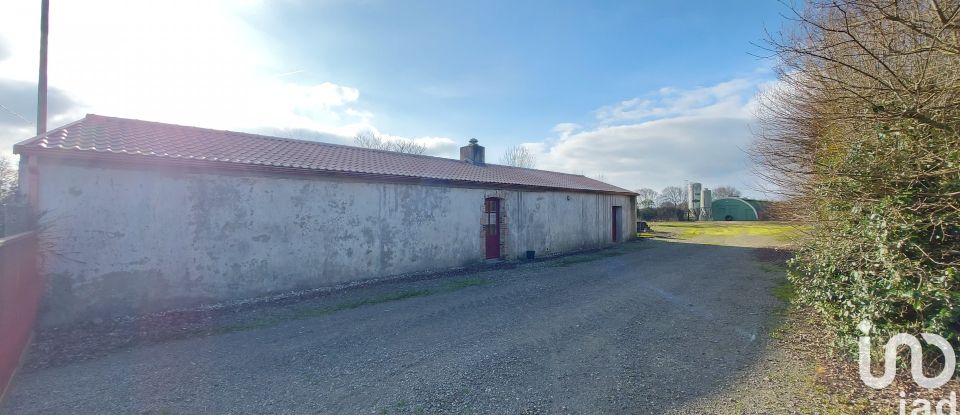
(491, 208)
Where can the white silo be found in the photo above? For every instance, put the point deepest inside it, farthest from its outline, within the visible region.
(693, 199)
(693, 196)
(706, 198)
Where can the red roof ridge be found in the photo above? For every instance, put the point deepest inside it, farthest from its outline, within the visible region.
(297, 140)
(127, 136)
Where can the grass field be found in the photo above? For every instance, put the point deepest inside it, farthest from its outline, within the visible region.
(720, 232)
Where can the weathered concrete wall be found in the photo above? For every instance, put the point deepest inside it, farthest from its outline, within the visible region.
(128, 241)
(555, 222)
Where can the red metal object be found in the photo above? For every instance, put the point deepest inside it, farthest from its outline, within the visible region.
(20, 291)
(491, 209)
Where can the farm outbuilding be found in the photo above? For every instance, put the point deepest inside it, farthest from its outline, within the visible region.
(141, 216)
(735, 209)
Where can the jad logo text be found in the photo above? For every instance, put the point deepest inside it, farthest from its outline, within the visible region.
(944, 406)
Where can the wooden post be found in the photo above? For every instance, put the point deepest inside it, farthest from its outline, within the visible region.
(42, 82)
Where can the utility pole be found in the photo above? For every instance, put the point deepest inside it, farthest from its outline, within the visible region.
(42, 82)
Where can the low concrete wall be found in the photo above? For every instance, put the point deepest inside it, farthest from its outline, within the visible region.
(20, 290)
(131, 241)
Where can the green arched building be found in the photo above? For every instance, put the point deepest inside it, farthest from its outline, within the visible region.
(735, 208)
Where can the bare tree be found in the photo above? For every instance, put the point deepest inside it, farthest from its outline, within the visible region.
(408, 147)
(373, 140)
(725, 191)
(672, 196)
(8, 179)
(646, 198)
(600, 177)
(518, 156)
(849, 67)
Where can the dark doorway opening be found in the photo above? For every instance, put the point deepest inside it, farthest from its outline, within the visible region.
(491, 209)
(616, 220)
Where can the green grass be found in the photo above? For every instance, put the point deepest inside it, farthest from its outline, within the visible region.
(768, 267)
(690, 230)
(310, 312)
(785, 291)
(618, 250)
(574, 259)
(466, 282)
(380, 299)
(580, 258)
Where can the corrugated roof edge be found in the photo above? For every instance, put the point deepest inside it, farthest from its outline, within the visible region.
(23, 147)
(18, 146)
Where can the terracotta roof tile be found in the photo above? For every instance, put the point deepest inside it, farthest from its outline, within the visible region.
(97, 134)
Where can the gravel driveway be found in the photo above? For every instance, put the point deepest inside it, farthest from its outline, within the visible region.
(650, 330)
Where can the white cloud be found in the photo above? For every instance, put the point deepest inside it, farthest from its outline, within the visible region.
(565, 129)
(436, 146)
(662, 139)
(439, 146)
(723, 99)
(199, 63)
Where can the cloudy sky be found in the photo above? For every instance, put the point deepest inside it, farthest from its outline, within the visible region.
(645, 93)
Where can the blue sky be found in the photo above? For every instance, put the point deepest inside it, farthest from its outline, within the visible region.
(502, 70)
(645, 93)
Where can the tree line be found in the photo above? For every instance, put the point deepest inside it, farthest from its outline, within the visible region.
(671, 202)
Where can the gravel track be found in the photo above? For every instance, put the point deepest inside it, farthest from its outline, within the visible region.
(649, 331)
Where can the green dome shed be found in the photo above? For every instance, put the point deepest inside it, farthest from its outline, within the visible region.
(734, 208)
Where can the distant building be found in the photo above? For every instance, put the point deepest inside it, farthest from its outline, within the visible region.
(736, 209)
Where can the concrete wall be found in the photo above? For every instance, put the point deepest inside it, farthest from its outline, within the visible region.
(127, 241)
